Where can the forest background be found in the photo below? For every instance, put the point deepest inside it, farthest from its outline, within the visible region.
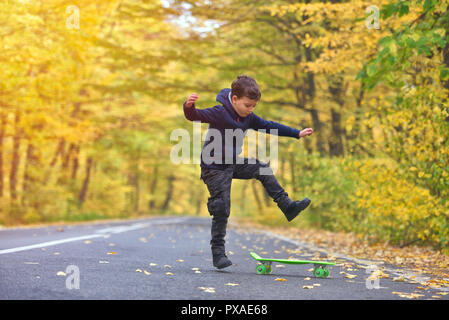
(90, 92)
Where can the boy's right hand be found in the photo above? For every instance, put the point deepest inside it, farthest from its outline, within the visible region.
(191, 100)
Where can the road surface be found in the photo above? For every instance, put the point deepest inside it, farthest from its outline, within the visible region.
(169, 258)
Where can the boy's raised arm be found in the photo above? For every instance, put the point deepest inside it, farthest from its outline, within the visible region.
(204, 115)
(258, 123)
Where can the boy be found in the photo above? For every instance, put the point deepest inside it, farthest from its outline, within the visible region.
(236, 112)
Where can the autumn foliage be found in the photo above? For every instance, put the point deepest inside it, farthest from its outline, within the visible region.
(86, 113)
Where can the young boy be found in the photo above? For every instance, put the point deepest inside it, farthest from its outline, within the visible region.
(236, 112)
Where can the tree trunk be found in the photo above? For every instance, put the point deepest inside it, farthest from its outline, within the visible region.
(169, 195)
(256, 195)
(317, 126)
(31, 163)
(83, 192)
(292, 171)
(336, 139)
(75, 162)
(15, 158)
(2, 135)
(152, 203)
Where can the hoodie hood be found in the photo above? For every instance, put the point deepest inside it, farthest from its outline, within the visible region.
(224, 97)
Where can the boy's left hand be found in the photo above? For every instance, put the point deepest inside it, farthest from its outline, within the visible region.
(305, 132)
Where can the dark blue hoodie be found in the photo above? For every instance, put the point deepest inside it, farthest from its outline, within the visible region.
(223, 117)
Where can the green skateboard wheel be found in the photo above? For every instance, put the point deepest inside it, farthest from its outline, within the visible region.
(326, 272)
(318, 272)
(268, 269)
(260, 269)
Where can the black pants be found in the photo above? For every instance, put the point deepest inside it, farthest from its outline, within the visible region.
(219, 185)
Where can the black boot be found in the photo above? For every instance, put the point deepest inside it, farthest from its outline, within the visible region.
(221, 261)
(291, 209)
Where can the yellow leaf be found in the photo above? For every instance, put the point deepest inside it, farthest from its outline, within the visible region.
(280, 279)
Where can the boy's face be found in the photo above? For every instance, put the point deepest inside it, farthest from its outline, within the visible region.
(244, 106)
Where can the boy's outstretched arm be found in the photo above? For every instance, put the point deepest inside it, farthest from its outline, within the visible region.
(285, 131)
(259, 123)
(204, 115)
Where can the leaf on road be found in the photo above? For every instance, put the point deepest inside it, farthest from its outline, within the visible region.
(146, 272)
(103, 261)
(143, 239)
(399, 279)
(207, 289)
(280, 279)
(87, 241)
(112, 252)
(279, 266)
(167, 266)
(169, 274)
(348, 275)
(179, 260)
(153, 264)
(308, 278)
(138, 270)
(307, 287)
(232, 284)
(408, 295)
(61, 273)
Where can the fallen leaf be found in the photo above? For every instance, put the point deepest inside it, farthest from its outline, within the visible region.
(399, 279)
(61, 273)
(180, 260)
(138, 270)
(112, 252)
(279, 266)
(153, 264)
(168, 274)
(307, 287)
(308, 278)
(195, 269)
(349, 276)
(442, 293)
(231, 284)
(317, 285)
(280, 279)
(207, 289)
(146, 272)
(103, 261)
(87, 241)
(167, 266)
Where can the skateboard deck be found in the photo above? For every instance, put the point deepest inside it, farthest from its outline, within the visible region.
(320, 270)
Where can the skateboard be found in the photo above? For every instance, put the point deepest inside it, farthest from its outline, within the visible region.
(264, 267)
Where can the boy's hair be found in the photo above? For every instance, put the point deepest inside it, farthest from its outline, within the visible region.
(245, 86)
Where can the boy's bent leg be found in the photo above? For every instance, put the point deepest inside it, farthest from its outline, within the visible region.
(219, 185)
(262, 172)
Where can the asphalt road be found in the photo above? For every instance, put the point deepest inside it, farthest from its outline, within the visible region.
(169, 258)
